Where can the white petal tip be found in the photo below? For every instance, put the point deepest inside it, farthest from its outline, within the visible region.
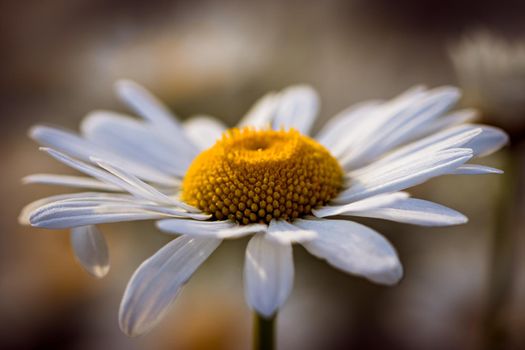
(34, 223)
(98, 271)
(36, 131)
(458, 219)
(91, 250)
(389, 277)
(132, 330)
(23, 220)
(26, 180)
(461, 220)
(453, 92)
(121, 85)
(268, 274)
(266, 314)
(303, 88)
(33, 131)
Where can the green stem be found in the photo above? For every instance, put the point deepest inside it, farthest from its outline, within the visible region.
(263, 332)
(502, 255)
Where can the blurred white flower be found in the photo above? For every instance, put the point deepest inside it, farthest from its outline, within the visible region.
(266, 178)
(491, 72)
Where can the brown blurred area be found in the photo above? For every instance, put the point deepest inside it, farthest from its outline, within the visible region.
(59, 61)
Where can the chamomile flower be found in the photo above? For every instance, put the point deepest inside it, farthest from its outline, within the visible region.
(268, 178)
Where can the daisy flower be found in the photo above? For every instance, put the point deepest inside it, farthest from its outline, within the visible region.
(266, 178)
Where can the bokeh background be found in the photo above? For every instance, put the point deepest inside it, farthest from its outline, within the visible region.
(59, 61)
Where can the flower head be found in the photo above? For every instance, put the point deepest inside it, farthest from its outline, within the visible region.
(267, 178)
(252, 176)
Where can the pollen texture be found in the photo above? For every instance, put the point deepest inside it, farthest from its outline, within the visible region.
(253, 176)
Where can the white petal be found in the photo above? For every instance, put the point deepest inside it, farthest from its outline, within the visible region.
(139, 141)
(407, 210)
(73, 145)
(158, 280)
(417, 212)
(204, 131)
(404, 126)
(283, 232)
(298, 107)
(262, 113)
(474, 169)
(268, 274)
(454, 137)
(73, 217)
(87, 169)
(344, 126)
(141, 189)
(100, 174)
(26, 212)
(402, 173)
(354, 248)
(452, 119)
(371, 203)
(393, 123)
(120, 178)
(146, 105)
(63, 140)
(490, 140)
(89, 210)
(214, 229)
(91, 250)
(295, 107)
(69, 181)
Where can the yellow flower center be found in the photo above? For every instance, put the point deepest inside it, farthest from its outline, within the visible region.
(252, 176)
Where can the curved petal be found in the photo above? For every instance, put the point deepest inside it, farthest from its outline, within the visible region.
(262, 112)
(298, 107)
(490, 140)
(454, 137)
(213, 229)
(139, 141)
(354, 248)
(393, 123)
(294, 107)
(141, 189)
(146, 105)
(344, 126)
(204, 131)
(268, 274)
(59, 218)
(284, 232)
(371, 203)
(454, 118)
(90, 210)
(406, 210)
(402, 173)
(69, 181)
(475, 169)
(91, 250)
(417, 212)
(75, 146)
(158, 280)
(26, 212)
(113, 176)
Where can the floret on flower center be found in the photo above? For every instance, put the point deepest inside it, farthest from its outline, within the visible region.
(252, 176)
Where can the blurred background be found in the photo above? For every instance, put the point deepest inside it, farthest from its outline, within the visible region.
(59, 61)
